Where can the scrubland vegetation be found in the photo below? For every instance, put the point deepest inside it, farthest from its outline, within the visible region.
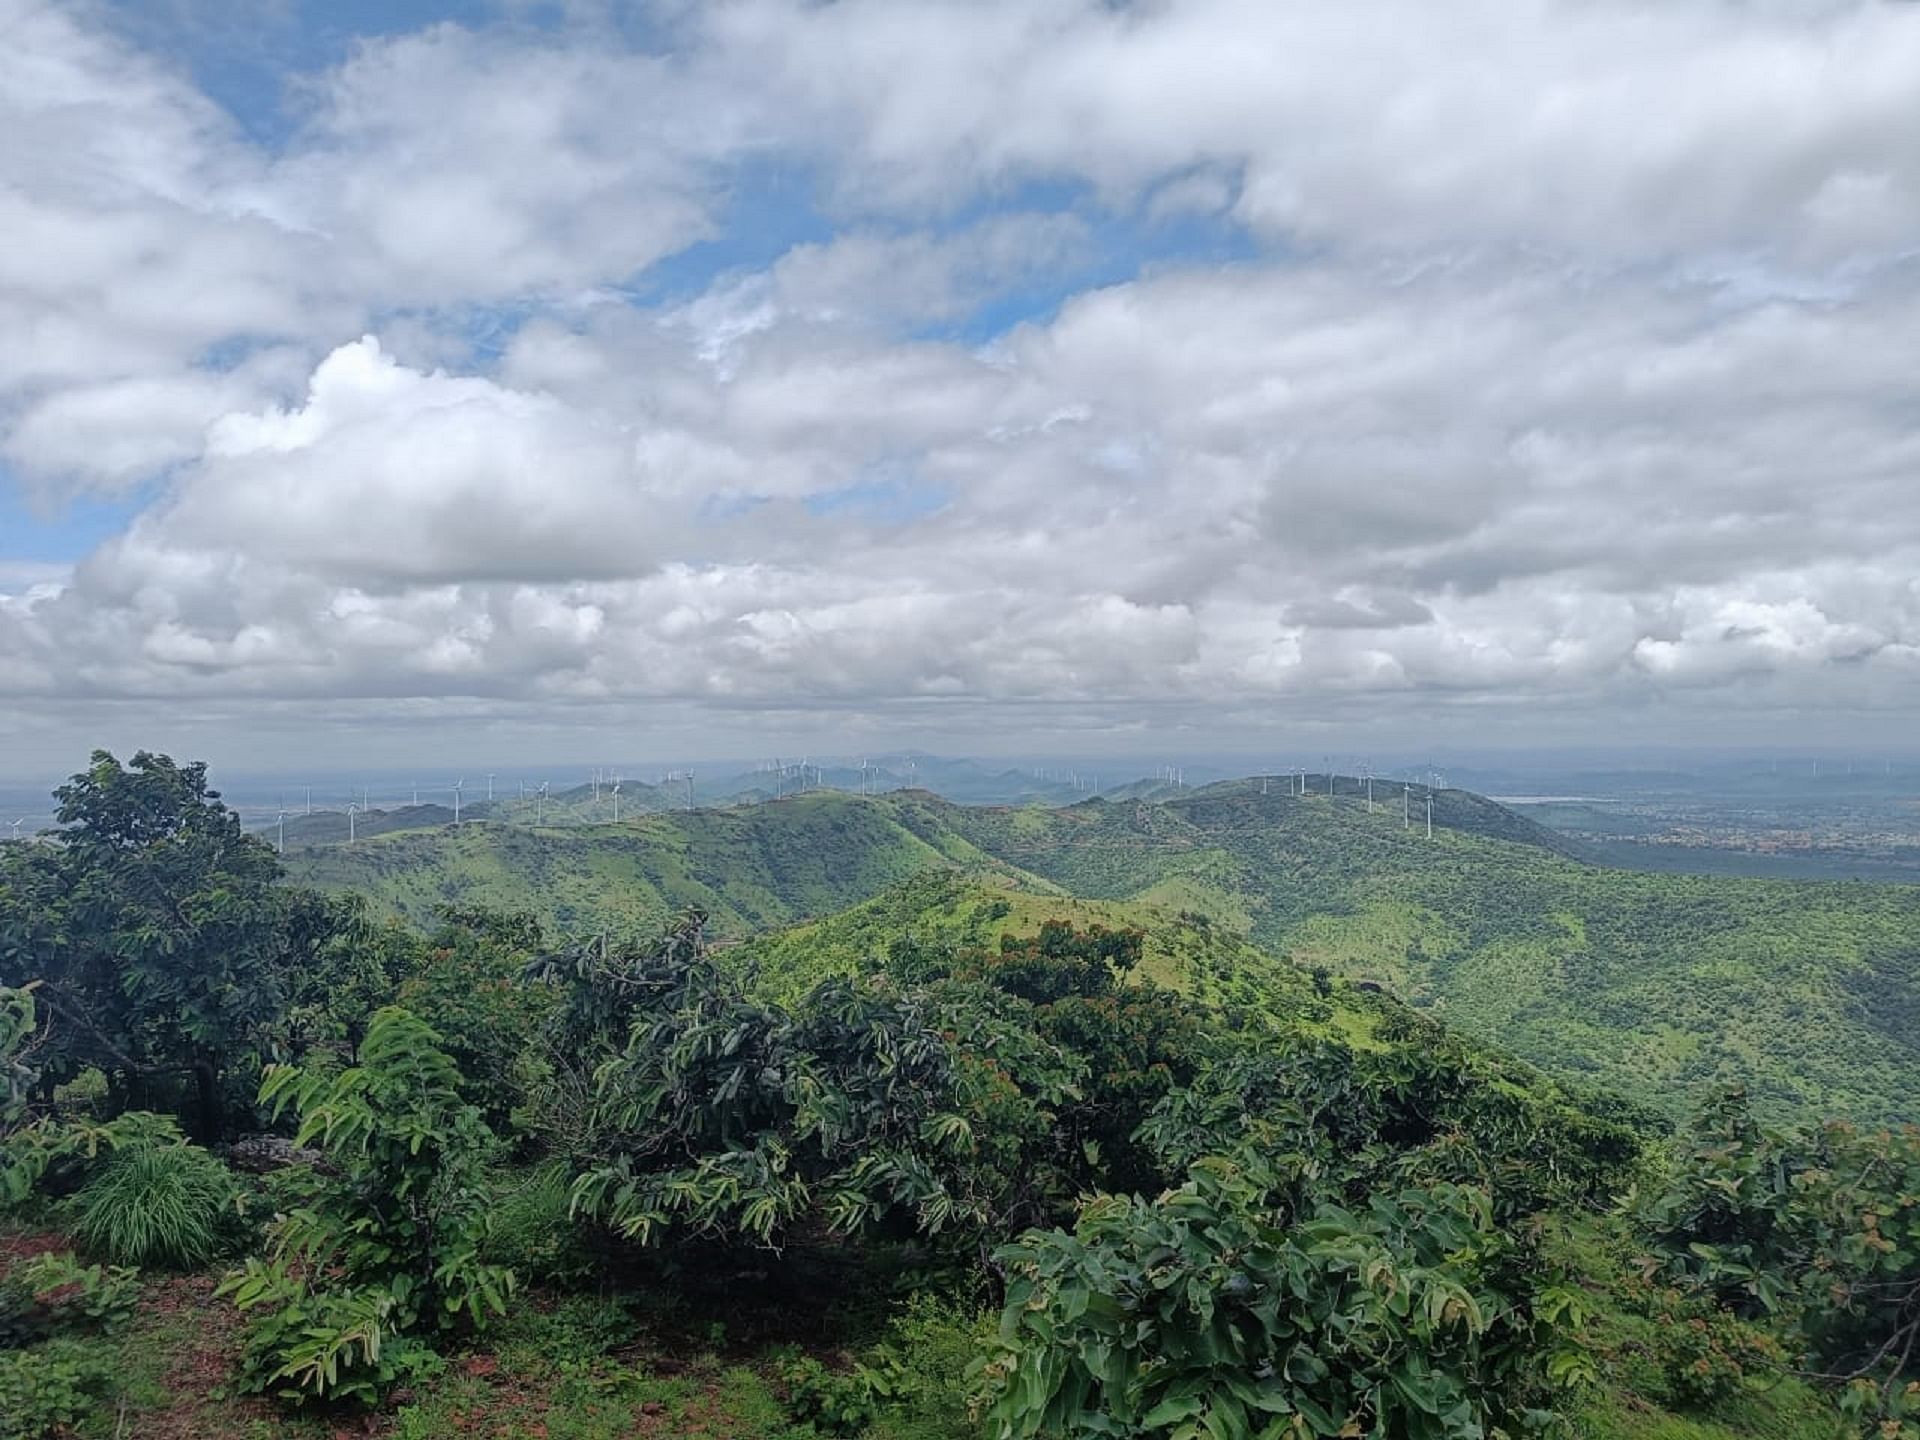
(1135, 1120)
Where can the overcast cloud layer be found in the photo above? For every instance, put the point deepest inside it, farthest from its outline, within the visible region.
(925, 371)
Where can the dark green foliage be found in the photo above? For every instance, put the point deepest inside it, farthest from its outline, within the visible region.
(55, 1294)
(53, 1371)
(390, 1245)
(531, 1229)
(1426, 1109)
(910, 1385)
(1061, 961)
(18, 1077)
(159, 935)
(1236, 1306)
(728, 1117)
(349, 965)
(606, 985)
(468, 981)
(1135, 1043)
(156, 1204)
(49, 1389)
(1818, 1234)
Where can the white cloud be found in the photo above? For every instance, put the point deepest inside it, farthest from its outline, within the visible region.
(1631, 128)
(1572, 367)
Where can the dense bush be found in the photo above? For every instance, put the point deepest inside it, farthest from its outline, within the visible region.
(467, 980)
(1819, 1234)
(389, 1244)
(55, 1294)
(51, 1388)
(910, 1385)
(1236, 1306)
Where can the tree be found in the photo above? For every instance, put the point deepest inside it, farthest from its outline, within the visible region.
(158, 931)
(1818, 1233)
(387, 1243)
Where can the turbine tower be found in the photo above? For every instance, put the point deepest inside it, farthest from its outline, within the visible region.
(456, 799)
(353, 813)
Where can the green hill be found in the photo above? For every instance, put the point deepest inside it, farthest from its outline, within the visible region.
(749, 867)
(1655, 985)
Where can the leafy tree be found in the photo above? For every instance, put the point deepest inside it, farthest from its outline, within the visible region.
(344, 965)
(727, 1117)
(157, 930)
(467, 980)
(1819, 1233)
(1136, 1041)
(20, 1076)
(1242, 1305)
(390, 1244)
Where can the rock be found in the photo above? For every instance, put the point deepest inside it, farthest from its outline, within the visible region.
(258, 1154)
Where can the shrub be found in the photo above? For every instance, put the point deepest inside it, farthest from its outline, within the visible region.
(926, 1354)
(305, 1342)
(55, 1294)
(1217, 1310)
(51, 1388)
(156, 1205)
(389, 1244)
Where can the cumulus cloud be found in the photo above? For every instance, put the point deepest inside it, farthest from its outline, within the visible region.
(1632, 128)
(1564, 360)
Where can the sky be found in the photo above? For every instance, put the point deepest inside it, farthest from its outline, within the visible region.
(403, 381)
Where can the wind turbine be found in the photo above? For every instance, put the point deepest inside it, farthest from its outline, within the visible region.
(456, 799)
(543, 802)
(309, 799)
(283, 831)
(16, 826)
(490, 787)
(1429, 814)
(353, 814)
(616, 802)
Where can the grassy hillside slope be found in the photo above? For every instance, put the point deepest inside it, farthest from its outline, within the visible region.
(1657, 985)
(750, 868)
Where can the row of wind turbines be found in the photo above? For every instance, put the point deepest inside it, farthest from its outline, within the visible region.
(1297, 778)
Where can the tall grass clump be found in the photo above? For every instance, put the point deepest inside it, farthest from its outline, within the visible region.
(156, 1204)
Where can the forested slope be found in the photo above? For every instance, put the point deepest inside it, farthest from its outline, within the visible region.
(1657, 985)
(749, 868)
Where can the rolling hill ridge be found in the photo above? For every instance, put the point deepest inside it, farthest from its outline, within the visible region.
(1655, 985)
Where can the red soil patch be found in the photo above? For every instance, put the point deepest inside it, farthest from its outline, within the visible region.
(20, 1245)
